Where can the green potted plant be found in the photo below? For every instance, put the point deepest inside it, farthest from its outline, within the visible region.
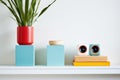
(25, 13)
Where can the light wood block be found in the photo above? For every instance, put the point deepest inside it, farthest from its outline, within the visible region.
(90, 58)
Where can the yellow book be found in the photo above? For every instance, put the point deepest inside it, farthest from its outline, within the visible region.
(90, 58)
(107, 63)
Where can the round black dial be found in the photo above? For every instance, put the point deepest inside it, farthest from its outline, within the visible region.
(82, 49)
(95, 49)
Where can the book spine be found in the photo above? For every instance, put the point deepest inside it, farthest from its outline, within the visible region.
(91, 63)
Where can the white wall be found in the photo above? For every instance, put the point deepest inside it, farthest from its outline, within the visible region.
(74, 21)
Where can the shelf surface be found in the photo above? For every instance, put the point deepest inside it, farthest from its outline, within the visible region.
(14, 70)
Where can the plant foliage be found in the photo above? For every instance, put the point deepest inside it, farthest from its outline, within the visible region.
(25, 11)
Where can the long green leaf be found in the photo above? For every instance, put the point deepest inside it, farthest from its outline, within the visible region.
(26, 6)
(20, 7)
(18, 11)
(17, 18)
(26, 10)
(33, 12)
(37, 6)
(43, 10)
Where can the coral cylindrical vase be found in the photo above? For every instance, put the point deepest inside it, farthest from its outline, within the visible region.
(25, 35)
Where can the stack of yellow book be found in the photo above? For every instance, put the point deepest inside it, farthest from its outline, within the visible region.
(91, 61)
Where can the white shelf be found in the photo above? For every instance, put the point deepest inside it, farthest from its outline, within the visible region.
(13, 70)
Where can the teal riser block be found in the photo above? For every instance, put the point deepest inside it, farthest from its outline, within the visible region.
(25, 55)
(55, 55)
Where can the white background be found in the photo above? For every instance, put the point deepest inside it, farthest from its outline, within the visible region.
(74, 22)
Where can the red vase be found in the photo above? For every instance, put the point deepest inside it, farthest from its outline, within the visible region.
(25, 35)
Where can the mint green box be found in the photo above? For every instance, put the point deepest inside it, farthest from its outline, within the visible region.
(25, 55)
(55, 55)
(94, 50)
